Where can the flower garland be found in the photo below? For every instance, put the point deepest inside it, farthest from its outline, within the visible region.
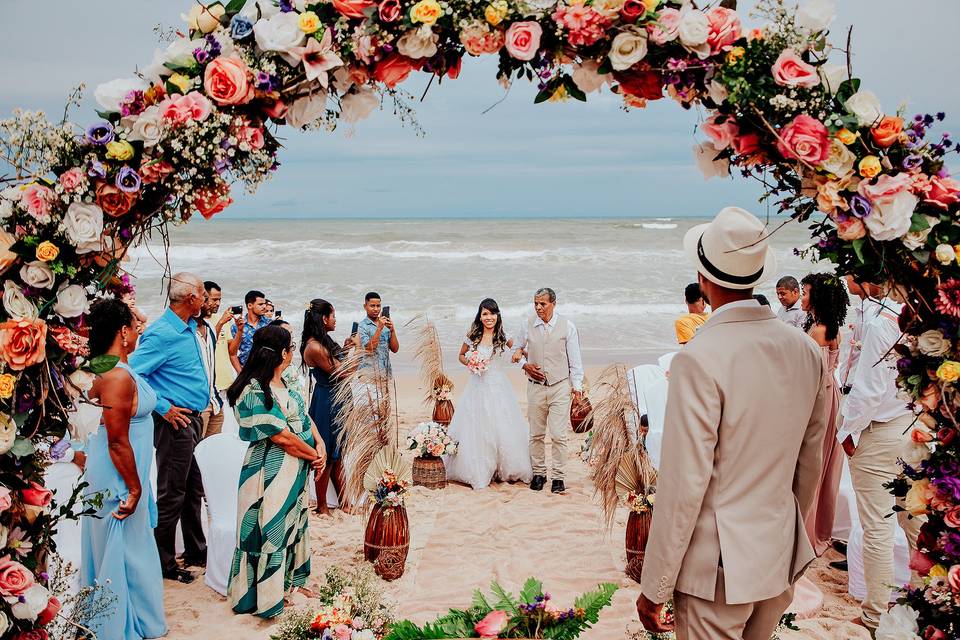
(202, 116)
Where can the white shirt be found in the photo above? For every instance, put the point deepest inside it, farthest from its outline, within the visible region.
(867, 308)
(574, 361)
(873, 397)
(207, 349)
(794, 316)
(736, 304)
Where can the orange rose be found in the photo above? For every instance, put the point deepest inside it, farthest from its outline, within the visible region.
(887, 131)
(113, 201)
(23, 343)
(210, 201)
(7, 257)
(353, 8)
(227, 81)
(393, 70)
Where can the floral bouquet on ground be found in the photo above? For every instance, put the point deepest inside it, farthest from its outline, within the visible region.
(477, 364)
(641, 501)
(532, 615)
(390, 489)
(441, 392)
(431, 440)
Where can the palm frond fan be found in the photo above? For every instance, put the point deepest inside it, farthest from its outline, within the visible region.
(388, 458)
(429, 353)
(635, 473)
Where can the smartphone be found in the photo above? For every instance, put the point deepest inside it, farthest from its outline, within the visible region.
(235, 310)
(386, 312)
(355, 328)
(277, 313)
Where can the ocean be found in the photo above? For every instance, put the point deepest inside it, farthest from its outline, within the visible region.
(620, 280)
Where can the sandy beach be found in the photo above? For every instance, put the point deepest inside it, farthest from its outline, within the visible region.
(462, 539)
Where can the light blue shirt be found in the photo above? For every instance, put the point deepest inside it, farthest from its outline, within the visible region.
(168, 358)
(382, 354)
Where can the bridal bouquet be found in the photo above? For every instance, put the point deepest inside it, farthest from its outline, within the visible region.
(431, 440)
(477, 364)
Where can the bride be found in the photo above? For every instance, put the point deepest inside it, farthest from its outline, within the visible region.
(494, 437)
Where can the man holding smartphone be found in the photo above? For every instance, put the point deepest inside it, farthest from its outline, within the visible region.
(378, 337)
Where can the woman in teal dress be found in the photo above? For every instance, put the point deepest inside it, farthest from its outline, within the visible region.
(273, 553)
(119, 552)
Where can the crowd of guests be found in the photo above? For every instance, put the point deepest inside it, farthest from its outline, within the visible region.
(173, 382)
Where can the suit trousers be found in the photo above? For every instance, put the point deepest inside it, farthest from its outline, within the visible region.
(698, 619)
(212, 422)
(874, 463)
(548, 410)
(179, 490)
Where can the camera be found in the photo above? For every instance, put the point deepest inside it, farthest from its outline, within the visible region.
(236, 309)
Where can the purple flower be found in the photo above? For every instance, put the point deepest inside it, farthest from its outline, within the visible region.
(286, 6)
(951, 544)
(128, 180)
(860, 206)
(213, 45)
(100, 133)
(912, 161)
(264, 81)
(949, 486)
(59, 448)
(95, 169)
(201, 55)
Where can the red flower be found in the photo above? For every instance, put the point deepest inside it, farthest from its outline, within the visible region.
(35, 634)
(393, 70)
(641, 82)
(210, 201)
(948, 298)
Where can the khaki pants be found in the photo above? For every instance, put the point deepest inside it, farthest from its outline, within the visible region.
(548, 410)
(698, 619)
(873, 464)
(212, 422)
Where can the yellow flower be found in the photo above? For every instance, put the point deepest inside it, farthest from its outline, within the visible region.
(651, 5)
(846, 136)
(917, 500)
(735, 55)
(309, 22)
(870, 167)
(204, 19)
(426, 11)
(493, 15)
(181, 82)
(560, 95)
(7, 384)
(938, 571)
(119, 150)
(47, 251)
(949, 371)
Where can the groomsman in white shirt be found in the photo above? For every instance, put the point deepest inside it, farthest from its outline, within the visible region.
(548, 349)
(873, 433)
(869, 295)
(788, 293)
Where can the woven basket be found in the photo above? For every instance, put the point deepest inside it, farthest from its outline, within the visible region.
(638, 530)
(429, 472)
(580, 419)
(443, 412)
(386, 541)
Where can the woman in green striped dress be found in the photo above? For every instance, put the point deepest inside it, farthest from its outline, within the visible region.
(273, 550)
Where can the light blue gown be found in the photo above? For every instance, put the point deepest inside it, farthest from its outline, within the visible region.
(122, 555)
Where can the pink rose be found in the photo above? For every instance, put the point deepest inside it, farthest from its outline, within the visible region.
(36, 495)
(804, 139)
(153, 170)
(791, 71)
(5, 500)
(666, 28)
(71, 179)
(953, 577)
(227, 81)
(342, 632)
(276, 110)
(179, 109)
(851, 229)
(15, 578)
(37, 198)
(921, 563)
(885, 188)
(393, 70)
(353, 8)
(523, 39)
(746, 144)
(952, 517)
(47, 615)
(723, 134)
(253, 136)
(941, 192)
(724, 29)
(389, 10)
(492, 624)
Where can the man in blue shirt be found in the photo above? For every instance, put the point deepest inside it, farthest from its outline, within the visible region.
(256, 318)
(378, 337)
(169, 358)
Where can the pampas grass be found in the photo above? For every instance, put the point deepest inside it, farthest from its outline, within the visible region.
(429, 352)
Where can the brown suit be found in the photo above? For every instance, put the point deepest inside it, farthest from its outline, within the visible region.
(741, 461)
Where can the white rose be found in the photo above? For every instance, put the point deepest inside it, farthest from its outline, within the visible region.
(628, 48)
(840, 161)
(268, 8)
(705, 153)
(899, 623)
(35, 600)
(204, 19)
(37, 275)
(717, 92)
(4, 533)
(608, 8)
(933, 343)
(109, 95)
(866, 106)
(145, 127)
(418, 43)
(815, 15)
(540, 6)
(833, 75)
(71, 301)
(916, 239)
(4, 621)
(82, 380)
(6, 209)
(17, 305)
(355, 107)
(307, 109)
(83, 225)
(891, 219)
(587, 78)
(945, 254)
(694, 30)
(180, 52)
(280, 33)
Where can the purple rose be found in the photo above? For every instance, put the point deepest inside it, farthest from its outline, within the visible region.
(95, 169)
(128, 180)
(100, 133)
(860, 206)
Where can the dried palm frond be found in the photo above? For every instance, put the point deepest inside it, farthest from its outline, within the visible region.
(429, 352)
(635, 473)
(388, 458)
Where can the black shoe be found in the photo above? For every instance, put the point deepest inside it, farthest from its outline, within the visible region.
(537, 483)
(839, 546)
(195, 561)
(557, 487)
(839, 565)
(179, 575)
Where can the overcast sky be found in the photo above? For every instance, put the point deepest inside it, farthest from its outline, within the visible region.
(519, 159)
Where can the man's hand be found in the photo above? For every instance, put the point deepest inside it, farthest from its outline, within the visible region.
(238, 320)
(177, 417)
(382, 321)
(848, 447)
(127, 507)
(388, 323)
(650, 614)
(80, 459)
(224, 319)
(534, 373)
(577, 396)
(517, 356)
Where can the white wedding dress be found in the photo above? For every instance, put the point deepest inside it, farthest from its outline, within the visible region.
(493, 435)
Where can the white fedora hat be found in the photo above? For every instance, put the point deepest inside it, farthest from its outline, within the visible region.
(731, 250)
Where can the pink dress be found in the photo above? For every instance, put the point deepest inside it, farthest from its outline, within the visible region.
(819, 521)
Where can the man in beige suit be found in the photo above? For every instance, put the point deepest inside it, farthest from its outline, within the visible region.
(745, 422)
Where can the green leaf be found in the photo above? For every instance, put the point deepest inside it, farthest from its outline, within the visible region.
(404, 630)
(531, 589)
(847, 88)
(234, 6)
(22, 447)
(506, 601)
(480, 602)
(918, 222)
(573, 89)
(543, 96)
(858, 249)
(102, 364)
(593, 601)
(914, 379)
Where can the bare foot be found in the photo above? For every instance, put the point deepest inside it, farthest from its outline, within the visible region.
(322, 511)
(308, 592)
(348, 509)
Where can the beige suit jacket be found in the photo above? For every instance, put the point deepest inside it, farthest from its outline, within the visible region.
(741, 457)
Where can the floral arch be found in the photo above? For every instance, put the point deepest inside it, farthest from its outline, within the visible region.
(172, 139)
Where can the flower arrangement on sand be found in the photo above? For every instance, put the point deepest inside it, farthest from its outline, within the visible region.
(431, 440)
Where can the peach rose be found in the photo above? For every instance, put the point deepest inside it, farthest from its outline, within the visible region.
(71, 179)
(5, 499)
(941, 192)
(724, 29)
(7, 257)
(389, 10)
(393, 70)
(851, 229)
(36, 495)
(227, 81)
(478, 39)
(885, 188)
(37, 198)
(23, 343)
(353, 8)
(523, 39)
(113, 201)
(666, 27)
(791, 71)
(15, 578)
(253, 136)
(952, 517)
(152, 171)
(723, 134)
(887, 131)
(492, 624)
(210, 201)
(178, 109)
(804, 139)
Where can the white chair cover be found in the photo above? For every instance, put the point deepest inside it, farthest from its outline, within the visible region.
(639, 378)
(846, 513)
(655, 398)
(332, 500)
(664, 360)
(856, 583)
(61, 478)
(230, 424)
(220, 458)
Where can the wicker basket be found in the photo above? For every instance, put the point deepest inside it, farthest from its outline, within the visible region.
(443, 412)
(638, 530)
(580, 419)
(386, 541)
(429, 472)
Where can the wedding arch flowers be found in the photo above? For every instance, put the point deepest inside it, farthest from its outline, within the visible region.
(175, 139)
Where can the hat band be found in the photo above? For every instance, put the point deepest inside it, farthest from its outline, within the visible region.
(721, 274)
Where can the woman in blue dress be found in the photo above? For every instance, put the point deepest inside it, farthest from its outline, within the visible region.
(119, 552)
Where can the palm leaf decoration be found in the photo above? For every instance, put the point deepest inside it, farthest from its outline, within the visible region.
(388, 458)
(429, 353)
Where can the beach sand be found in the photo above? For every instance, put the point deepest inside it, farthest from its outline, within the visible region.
(462, 539)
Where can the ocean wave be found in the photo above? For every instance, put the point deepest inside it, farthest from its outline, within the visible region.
(658, 225)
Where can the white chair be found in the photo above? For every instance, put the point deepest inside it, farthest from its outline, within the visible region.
(664, 360)
(639, 378)
(856, 583)
(220, 458)
(61, 478)
(655, 399)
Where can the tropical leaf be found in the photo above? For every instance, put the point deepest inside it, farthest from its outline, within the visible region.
(404, 630)
(101, 364)
(506, 600)
(593, 602)
(531, 589)
(480, 602)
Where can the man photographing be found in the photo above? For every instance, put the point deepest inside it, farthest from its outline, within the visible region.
(378, 336)
(246, 326)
